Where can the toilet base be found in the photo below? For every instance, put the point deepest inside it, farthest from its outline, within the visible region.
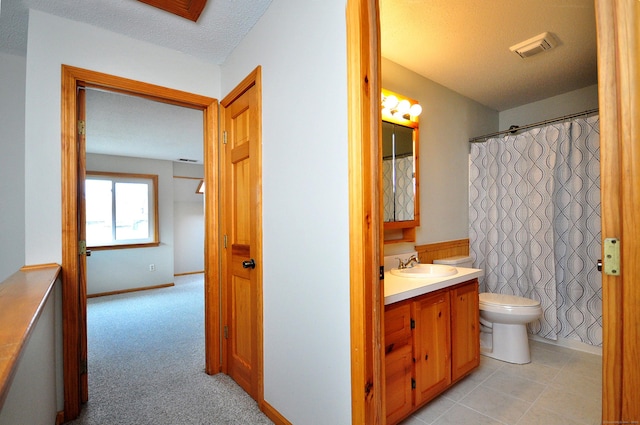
(506, 342)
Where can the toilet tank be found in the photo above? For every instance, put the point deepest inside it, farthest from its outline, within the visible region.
(457, 261)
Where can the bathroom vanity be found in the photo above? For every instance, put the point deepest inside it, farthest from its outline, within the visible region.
(431, 337)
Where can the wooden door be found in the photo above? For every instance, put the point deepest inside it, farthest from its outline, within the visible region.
(242, 265)
(618, 31)
(82, 236)
(432, 346)
(465, 336)
(398, 361)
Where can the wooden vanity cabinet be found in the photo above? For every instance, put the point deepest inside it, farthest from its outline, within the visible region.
(431, 341)
(465, 330)
(431, 346)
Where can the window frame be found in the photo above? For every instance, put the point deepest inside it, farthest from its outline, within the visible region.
(154, 227)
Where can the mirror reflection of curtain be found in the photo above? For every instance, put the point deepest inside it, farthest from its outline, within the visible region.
(398, 203)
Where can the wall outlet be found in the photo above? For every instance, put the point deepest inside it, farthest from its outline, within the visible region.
(152, 267)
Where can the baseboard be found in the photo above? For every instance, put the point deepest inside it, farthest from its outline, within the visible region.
(124, 291)
(59, 418)
(569, 343)
(273, 414)
(188, 273)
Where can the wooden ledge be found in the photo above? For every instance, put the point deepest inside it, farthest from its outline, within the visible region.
(22, 298)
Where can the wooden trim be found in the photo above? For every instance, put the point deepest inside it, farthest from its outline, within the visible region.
(60, 418)
(273, 414)
(188, 273)
(24, 295)
(618, 32)
(126, 291)
(38, 267)
(188, 178)
(429, 252)
(73, 77)
(365, 223)
(188, 9)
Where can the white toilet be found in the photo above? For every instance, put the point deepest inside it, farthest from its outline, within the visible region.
(503, 326)
(503, 320)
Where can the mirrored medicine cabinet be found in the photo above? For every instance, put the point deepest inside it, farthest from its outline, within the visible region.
(400, 143)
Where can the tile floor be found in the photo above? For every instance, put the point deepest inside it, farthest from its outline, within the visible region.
(560, 386)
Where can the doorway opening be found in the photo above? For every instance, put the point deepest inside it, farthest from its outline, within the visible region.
(74, 259)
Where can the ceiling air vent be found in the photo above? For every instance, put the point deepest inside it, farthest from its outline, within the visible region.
(535, 45)
(187, 160)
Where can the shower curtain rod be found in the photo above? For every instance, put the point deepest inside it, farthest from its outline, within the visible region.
(514, 128)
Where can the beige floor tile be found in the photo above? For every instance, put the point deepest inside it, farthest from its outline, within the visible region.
(515, 386)
(576, 407)
(496, 404)
(551, 358)
(532, 371)
(432, 411)
(539, 416)
(463, 388)
(461, 415)
(587, 386)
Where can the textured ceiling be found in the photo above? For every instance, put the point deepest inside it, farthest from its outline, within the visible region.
(464, 45)
(221, 26)
(460, 44)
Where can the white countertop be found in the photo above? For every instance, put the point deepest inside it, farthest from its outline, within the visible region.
(401, 288)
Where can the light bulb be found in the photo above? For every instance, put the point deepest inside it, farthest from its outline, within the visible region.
(404, 106)
(390, 102)
(415, 110)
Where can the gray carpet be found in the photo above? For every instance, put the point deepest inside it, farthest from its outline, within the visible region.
(146, 362)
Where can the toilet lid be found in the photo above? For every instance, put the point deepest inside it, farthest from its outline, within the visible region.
(507, 300)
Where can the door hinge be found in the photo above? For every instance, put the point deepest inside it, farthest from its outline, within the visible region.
(224, 242)
(381, 272)
(82, 247)
(226, 332)
(612, 256)
(413, 324)
(224, 137)
(82, 127)
(83, 367)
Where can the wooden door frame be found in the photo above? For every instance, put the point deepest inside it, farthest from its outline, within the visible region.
(254, 79)
(73, 337)
(618, 86)
(365, 223)
(618, 91)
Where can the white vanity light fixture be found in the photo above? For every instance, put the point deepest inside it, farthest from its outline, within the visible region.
(399, 107)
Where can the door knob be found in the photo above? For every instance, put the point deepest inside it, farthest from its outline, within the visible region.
(249, 264)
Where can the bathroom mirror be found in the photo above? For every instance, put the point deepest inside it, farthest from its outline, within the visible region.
(399, 170)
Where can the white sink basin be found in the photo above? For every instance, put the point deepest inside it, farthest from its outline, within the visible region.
(425, 271)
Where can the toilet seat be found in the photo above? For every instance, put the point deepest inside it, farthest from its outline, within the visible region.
(507, 303)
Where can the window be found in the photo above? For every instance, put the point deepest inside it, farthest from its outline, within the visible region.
(121, 210)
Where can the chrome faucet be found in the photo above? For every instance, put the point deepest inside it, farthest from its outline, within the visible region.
(409, 263)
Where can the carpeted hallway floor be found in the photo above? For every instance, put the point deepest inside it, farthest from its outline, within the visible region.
(146, 362)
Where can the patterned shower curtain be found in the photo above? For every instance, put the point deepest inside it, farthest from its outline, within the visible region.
(534, 222)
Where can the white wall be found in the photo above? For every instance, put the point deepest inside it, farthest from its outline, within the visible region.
(12, 99)
(447, 122)
(33, 398)
(188, 220)
(92, 48)
(557, 106)
(120, 269)
(302, 49)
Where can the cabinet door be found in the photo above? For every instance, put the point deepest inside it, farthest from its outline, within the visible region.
(432, 345)
(465, 329)
(398, 362)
